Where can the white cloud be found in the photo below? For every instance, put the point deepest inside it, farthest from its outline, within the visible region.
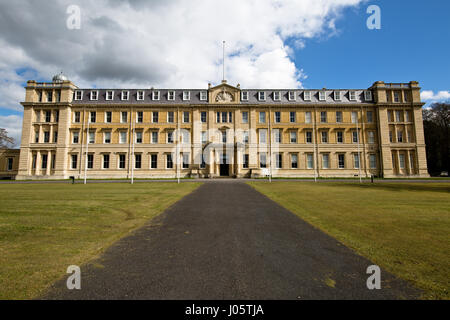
(12, 124)
(429, 95)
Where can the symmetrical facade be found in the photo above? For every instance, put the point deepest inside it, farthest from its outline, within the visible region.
(221, 131)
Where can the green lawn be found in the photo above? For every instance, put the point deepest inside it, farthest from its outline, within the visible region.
(402, 227)
(45, 228)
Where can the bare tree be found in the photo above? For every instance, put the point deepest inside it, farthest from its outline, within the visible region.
(5, 140)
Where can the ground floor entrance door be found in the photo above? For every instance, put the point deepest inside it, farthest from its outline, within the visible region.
(224, 167)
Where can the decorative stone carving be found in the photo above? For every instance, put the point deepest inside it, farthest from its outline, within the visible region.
(224, 96)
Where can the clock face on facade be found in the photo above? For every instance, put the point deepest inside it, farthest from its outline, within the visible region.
(224, 97)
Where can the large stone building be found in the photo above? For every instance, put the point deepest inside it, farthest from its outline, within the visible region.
(222, 130)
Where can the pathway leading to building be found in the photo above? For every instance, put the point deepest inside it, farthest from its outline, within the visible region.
(228, 241)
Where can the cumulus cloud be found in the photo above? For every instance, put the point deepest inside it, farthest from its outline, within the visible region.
(13, 125)
(429, 95)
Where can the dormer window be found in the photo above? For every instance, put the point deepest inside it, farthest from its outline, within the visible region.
(94, 95)
(203, 96)
(109, 95)
(244, 95)
(277, 96)
(368, 95)
(140, 95)
(261, 96)
(186, 95)
(125, 95)
(155, 95)
(171, 95)
(352, 95)
(307, 95)
(337, 95)
(322, 95)
(78, 95)
(292, 96)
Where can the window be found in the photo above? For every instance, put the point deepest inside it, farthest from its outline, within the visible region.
(49, 96)
(40, 96)
(186, 116)
(93, 117)
(368, 95)
(396, 96)
(204, 137)
(137, 161)
(224, 137)
(356, 161)
(339, 116)
(293, 135)
(340, 136)
(139, 137)
(186, 95)
(58, 96)
(369, 115)
(354, 117)
(107, 137)
(46, 136)
(91, 137)
(277, 96)
(140, 95)
(170, 117)
(355, 137)
(108, 116)
(278, 161)
(122, 137)
(309, 137)
(155, 116)
(398, 116)
(262, 136)
(90, 161)
(389, 113)
(57, 116)
(75, 137)
(337, 95)
(307, 95)
(123, 117)
(153, 161)
(325, 161)
(155, 95)
(292, 117)
(55, 137)
(244, 95)
(74, 161)
(391, 138)
(78, 95)
(230, 117)
(407, 116)
(225, 116)
(218, 117)
(109, 95)
(401, 158)
(352, 95)
(372, 161)
(246, 161)
(341, 161)
(44, 161)
(106, 161)
(262, 160)
(322, 95)
(400, 136)
(154, 137)
(309, 161)
(185, 160)
(203, 96)
(409, 136)
(308, 117)
(140, 117)
(76, 117)
(277, 117)
(48, 116)
(10, 164)
(261, 96)
(170, 136)
(294, 161)
(171, 95)
(324, 136)
(186, 136)
(122, 161)
(245, 137)
(169, 161)
(323, 117)
(125, 95)
(36, 137)
(292, 96)
(371, 137)
(262, 117)
(203, 116)
(277, 135)
(33, 165)
(411, 161)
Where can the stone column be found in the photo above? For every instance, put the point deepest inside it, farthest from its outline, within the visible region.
(38, 163)
(49, 163)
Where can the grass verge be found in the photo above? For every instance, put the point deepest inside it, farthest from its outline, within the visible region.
(47, 227)
(404, 228)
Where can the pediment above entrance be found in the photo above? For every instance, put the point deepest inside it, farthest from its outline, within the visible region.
(224, 94)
